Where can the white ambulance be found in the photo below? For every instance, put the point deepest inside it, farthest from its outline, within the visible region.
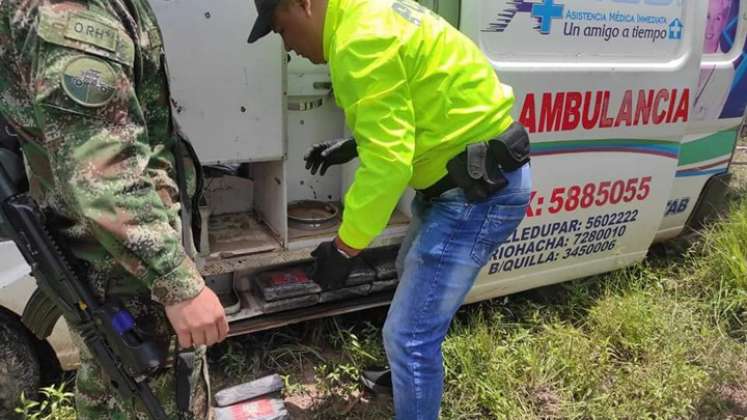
(634, 109)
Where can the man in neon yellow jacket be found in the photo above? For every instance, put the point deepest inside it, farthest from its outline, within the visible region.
(423, 103)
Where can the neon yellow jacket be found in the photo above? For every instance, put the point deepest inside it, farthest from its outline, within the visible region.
(415, 92)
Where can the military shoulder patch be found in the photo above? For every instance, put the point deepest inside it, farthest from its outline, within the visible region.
(92, 32)
(154, 37)
(87, 32)
(89, 81)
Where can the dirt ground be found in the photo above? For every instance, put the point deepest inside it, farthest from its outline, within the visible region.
(297, 352)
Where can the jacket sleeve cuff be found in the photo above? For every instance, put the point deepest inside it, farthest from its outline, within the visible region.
(353, 237)
(183, 283)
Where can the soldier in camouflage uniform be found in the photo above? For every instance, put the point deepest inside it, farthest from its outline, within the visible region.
(83, 83)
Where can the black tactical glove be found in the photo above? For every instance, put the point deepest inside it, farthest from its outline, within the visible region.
(328, 153)
(331, 268)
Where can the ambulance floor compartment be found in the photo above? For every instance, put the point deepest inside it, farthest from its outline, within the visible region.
(237, 234)
(230, 236)
(284, 295)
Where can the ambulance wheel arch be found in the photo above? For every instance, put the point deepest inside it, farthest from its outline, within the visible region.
(712, 203)
(26, 363)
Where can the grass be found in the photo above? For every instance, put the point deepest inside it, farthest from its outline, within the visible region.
(664, 339)
(56, 403)
(633, 351)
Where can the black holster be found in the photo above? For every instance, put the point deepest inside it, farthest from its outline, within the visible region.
(478, 171)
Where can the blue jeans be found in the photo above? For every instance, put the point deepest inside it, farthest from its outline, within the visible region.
(449, 241)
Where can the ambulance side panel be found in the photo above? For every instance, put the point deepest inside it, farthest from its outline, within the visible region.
(607, 127)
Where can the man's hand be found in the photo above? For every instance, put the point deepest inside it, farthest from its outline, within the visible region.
(198, 321)
(331, 267)
(333, 152)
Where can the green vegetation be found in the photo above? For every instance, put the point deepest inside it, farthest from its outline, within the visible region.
(56, 404)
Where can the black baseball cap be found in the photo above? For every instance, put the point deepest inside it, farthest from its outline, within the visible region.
(263, 24)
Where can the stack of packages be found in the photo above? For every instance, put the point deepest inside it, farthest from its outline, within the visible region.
(257, 400)
(382, 260)
(292, 287)
(358, 283)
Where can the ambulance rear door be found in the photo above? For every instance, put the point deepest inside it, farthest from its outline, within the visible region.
(719, 100)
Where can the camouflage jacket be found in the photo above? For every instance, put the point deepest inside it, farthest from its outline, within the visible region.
(83, 82)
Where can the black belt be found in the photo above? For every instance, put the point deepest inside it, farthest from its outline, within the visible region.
(441, 186)
(479, 169)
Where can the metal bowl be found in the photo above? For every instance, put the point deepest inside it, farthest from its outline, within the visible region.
(312, 214)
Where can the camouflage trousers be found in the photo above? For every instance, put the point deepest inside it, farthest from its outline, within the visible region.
(95, 399)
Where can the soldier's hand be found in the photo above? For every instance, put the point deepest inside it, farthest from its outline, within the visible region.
(199, 321)
(333, 152)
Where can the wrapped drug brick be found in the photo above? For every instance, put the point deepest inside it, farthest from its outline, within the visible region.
(382, 260)
(380, 286)
(265, 408)
(288, 304)
(345, 293)
(361, 273)
(247, 391)
(285, 284)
